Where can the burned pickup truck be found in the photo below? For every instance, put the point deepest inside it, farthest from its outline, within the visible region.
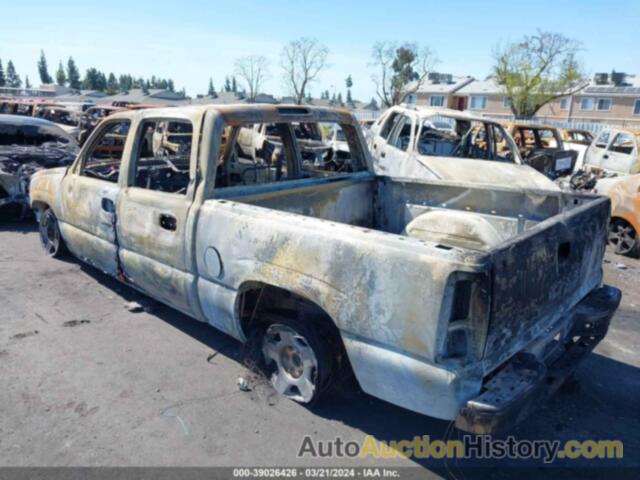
(451, 300)
(26, 145)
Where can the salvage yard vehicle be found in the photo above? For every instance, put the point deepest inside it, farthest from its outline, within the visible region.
(29, 144)
(614, 152)
(452, 300)
(255, 140)
(578, 140)
(624, 228)
(428, 143)
(542, 147)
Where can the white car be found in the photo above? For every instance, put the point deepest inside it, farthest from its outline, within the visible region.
(614, 152)
(417, 142)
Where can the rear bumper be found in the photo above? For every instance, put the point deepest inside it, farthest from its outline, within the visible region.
(526, 381)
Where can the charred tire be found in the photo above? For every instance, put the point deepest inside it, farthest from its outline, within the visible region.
(299, 361)
(50, 237)
(624, 238)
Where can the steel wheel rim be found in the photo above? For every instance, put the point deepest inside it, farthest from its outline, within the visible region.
(622, 237)
(296, 364)
(49, 235)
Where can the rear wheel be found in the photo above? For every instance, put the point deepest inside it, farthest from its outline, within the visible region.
(50, 237)
(298, 359)
(624, 238)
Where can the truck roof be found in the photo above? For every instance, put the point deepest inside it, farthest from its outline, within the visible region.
(238, 114)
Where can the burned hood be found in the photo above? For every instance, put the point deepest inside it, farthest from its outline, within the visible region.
(486, 172)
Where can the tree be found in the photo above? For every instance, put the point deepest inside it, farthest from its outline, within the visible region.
(73, 74)
(234, 85)
(211, 91)
(3, 81)
(302, 61)
(401, 70)
(112, 84)
(27, 83)
(349, 83)
(536, 70)
(13, 79)
(61, 76)
(125, 83)
(43, 69)
(227, 84)
(253, 69)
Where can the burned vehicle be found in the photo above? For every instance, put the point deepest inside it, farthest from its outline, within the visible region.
(27, 145)
(430, 143)
(624, 229)
(261, 141)
(614, 153)
(453, 300)
(65, 118)
(542, 147)
(578, 140)
(91, 117)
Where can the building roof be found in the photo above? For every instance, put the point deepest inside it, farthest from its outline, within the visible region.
(487, 87)
(444, 83)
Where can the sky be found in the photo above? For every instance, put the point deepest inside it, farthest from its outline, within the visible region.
(192, 40)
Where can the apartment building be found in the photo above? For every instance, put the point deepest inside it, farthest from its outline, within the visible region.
(611, 99)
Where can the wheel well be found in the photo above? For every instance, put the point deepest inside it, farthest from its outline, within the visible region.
(38, 205)
(256, 299)
(622, 219)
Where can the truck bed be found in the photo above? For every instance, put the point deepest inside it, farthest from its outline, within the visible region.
(546, 259)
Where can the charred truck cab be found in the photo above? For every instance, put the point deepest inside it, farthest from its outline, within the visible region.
(453, 300)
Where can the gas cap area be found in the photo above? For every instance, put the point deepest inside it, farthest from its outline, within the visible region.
(213, 262)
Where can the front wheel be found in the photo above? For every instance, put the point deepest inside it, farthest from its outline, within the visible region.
(624, 238)
(298, 360)
(50, 237)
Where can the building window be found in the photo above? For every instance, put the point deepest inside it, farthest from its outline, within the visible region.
(506, 103)
(603, 104)
(478, 102)
(564, 103)
(636, 107)
(437, 101)
(586, 104)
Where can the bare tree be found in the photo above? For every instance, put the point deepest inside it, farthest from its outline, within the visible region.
(254, 70)
(536, 70)
(302, 61)
(400, 70)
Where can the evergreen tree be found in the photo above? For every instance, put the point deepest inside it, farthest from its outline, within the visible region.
(211, 91)
(340, 99)
(61, 76)
(349, 83)
(170, 86)
(227, 84)
(27, 84)
(234, 85)
(112, 84)
(125, 83)
(145, 86)
(13, 79)
(3, 81)
(43, 69)
(73, 74)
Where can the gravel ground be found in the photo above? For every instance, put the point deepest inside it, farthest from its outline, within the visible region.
(88, 381)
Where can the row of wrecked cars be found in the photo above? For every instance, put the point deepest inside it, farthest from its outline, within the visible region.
(37, 135)
(462, 289)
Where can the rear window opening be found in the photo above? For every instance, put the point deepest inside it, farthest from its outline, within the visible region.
(264, 153)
